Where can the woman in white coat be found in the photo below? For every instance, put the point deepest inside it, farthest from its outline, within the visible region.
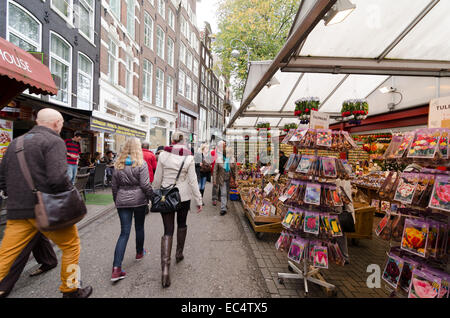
(169, 163)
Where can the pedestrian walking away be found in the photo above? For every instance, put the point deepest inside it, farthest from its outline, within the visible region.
(43, 254)
(131, 191)
(46, 154)
(203, 167)
(224, 173)
(73, 155)
(149, 158)
(169, 163)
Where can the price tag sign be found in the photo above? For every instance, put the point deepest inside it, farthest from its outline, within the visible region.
(269, 187)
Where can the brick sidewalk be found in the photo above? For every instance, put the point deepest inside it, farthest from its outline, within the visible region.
(350, 280)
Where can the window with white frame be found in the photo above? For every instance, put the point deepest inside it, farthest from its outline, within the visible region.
(170, 52)
(169, 93)
(182, 56)
(162, 8)
(86, 18)
(63, 8)
(60, 66)
(202, 129)
(23, 29)
(184, 26)
(148, 31)
(84, 88)
(129, 74)
(189, 60)
(171, 18)
(115, 7)
(159, 98)
(160, 35)
(195, 67)
(147, 81)
(130, 17)
(112, 62)
(188, 93)
(194, 92)
(181, 77)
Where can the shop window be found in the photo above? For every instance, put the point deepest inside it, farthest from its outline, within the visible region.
(147, 82)
(86, 16)
(160, 35)
(63, 8)
(84, 89)
(23, 29)
(60, 66)
(148, 31)
(159, 100)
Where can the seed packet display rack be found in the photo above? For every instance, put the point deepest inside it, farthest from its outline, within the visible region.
(414, 266)
(305, 270)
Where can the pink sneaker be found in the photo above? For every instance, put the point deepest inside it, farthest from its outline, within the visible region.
(140, 256)
(117, 274)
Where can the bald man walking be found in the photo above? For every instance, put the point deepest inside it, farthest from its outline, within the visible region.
(45, 153)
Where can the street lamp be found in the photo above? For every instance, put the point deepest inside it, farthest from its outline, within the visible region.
(236, 53)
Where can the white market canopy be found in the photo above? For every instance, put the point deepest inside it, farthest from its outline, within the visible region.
(402, 43)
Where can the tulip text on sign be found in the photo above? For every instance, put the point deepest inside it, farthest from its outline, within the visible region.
(12, 59)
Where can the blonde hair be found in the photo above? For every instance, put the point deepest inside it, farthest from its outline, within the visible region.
(133, 149)
(203, 147)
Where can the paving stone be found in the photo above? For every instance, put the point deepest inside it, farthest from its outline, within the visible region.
(288, 292)
(265, 272)
(271, 286)
(261, 262)
(275, 296)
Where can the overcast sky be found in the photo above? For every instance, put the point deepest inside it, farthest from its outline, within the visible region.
(206, 11)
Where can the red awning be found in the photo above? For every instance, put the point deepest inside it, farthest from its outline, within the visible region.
(19, 70)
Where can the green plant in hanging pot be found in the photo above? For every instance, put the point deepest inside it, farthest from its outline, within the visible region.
(304, 106)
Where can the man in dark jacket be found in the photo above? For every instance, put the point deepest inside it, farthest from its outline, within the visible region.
(45, 154)
(283, 159)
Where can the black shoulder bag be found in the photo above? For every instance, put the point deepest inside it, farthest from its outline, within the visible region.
(166, 200)
(52, 211)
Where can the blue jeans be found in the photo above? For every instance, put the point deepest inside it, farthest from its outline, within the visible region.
(202, 183)
(126, 218)
(72, 172)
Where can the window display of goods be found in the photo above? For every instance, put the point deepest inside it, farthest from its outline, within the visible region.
(303, 107)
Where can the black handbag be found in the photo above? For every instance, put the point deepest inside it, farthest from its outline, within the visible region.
(167, 199)
(52, 211)
(346, 222)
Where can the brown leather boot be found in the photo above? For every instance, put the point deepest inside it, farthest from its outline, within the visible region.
(166, 249)
(79, 293)
(181, 238)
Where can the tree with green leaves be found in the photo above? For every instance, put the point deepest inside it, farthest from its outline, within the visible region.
(263, 25)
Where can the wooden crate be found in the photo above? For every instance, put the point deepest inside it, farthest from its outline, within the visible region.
(363, 224)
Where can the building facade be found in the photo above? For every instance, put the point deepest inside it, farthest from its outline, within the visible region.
(64, 35)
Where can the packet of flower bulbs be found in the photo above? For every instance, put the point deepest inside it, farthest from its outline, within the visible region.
(312, 194)
(311, 223)
(286, 223)
(440, 198)
(335, 226)
(383, 224)
(406, 187)
(425, 143)
(320, 256)
(415, 236)
(297, 249)
(443, 147)
(393, 270)
(324, 138)
(288, 136)
(393, 146)
(407, 139)
(424, 285)
(433, 234)
(305, 164)
(329, 167)
(409, 266)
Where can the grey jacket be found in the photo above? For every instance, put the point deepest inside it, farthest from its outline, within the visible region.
(131, 186)
(46, 155)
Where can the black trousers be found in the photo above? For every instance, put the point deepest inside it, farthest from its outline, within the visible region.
(169, 218)
(43, 253)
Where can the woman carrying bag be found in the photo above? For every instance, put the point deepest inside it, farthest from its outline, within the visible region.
(203, 167)
(176, 166)
(131, 192)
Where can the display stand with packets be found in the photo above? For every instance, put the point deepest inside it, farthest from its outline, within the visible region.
(312, 199)
(418, 231)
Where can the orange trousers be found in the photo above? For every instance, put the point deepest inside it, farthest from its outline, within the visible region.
(18, 233)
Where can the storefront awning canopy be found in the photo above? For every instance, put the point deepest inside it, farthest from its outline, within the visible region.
(19, 71)
(399, 43)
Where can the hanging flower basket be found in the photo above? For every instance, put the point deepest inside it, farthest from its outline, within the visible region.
(262, 125)
(355, 109)
(304, 106)
(287, 127)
